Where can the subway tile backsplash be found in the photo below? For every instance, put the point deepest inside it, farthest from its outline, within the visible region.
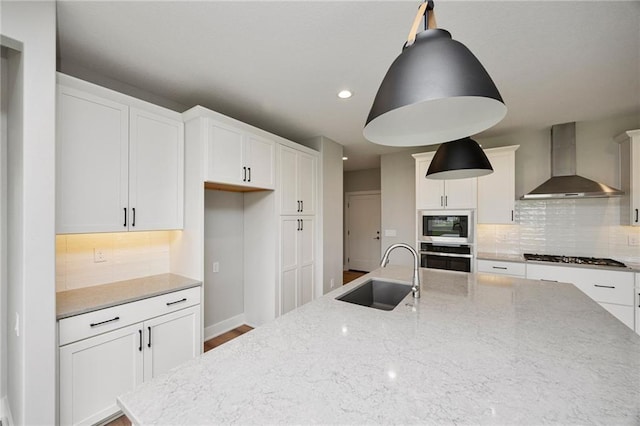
(576, 227)
(127, 255)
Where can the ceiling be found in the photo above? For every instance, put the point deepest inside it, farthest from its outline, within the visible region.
(278, 65)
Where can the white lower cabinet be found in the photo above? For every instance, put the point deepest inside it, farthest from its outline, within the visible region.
(297, 261)
(514, 269)
(613, 290)
(108, 361)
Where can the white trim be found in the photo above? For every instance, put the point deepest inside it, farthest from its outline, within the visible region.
(223, 326)
(5, 413)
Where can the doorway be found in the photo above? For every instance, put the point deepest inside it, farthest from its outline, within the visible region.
(362, 230)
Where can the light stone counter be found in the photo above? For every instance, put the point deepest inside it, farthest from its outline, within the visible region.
(475, 349)
(83, 300)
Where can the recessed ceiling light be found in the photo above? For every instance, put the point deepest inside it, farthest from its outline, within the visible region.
(345, 158)
(344, 94)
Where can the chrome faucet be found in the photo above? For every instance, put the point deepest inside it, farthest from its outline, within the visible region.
(415, 283)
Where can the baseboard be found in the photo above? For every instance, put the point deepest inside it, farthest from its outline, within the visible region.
(5, 413)
(223, 326)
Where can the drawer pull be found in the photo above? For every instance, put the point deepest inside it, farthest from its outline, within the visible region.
(140, 347)
(604, 286)
(549, 281)
(177, 301)
(95, 324)
(149, 344)
(500, 267)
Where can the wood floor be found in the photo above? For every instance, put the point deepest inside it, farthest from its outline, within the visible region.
(351, 275)
(208, 345)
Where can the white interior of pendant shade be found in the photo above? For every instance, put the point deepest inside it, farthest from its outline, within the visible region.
(459, 174)
(435, 121)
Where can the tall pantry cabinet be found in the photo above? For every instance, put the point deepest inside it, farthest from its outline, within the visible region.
(297, 192)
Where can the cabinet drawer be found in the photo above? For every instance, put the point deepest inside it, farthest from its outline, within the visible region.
(501, 268)
(608, 286)
(101, 321)
(601, 285)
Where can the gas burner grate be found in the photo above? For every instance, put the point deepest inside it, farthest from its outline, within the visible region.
(597, 261)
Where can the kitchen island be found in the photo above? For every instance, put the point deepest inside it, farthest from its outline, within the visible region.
(474, 349)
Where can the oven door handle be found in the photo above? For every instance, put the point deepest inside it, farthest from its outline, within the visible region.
(435, 253)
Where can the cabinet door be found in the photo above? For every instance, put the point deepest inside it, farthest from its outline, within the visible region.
(496, 191)
(260, 159)
(289, 260)
(91, 163)
(156, 172)
(94, 371)
(460, 193)
(634, 190)
(306, 180)
(224, 155)
(307, 260)
(429, 192)
(288, 181)
(171, 340)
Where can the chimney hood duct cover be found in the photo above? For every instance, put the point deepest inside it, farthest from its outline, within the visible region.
(564, 182)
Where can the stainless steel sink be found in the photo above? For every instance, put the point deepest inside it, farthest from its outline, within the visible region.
(377, 294)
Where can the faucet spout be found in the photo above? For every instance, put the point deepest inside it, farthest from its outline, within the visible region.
(415, 282)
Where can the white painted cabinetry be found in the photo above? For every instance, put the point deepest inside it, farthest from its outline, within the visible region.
(235, 156)
(298, 228)
(119, 162)
(297, 255)
(515, 269)
(630, 177)
(442, 194)
(497, 191)
(613, 290)
(297, 182)
(108, 352)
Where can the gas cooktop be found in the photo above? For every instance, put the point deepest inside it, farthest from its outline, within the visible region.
(597, 261)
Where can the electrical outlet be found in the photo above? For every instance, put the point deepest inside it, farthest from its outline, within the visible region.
(333, 283)
(16, 328)
(216, 266)
(634, 240)
(99, 255)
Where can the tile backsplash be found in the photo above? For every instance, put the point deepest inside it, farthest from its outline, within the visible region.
(576, 227)
(127, 255)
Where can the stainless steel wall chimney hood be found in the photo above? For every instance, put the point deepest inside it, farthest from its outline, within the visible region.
(564, 182)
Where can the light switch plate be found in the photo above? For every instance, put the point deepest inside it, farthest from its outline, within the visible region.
(390, 233)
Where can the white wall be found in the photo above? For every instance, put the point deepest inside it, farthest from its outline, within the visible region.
(362, 180)
(332, 204)
(31, 383)
(223, 243)
(398, 193)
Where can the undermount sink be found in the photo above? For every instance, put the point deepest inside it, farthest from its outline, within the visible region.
(377, 294)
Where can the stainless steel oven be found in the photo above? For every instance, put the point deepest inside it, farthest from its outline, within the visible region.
(446, 226)
(444, 256)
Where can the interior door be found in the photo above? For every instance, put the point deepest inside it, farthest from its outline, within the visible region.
(363, 231)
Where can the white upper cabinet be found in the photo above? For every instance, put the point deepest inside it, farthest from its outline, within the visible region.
(119, 162)
(630, 177)
(92, 151)
(497, 191)
(156, 171)
(442, 194)
(297, 182)
(238, 157)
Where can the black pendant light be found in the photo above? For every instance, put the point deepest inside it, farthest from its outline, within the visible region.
(459, 159)
(435, 91)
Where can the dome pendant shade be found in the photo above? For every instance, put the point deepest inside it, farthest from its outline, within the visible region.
(458, 160)
(436, 90)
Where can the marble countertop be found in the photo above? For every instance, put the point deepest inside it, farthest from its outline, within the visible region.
(474, 349)
(87, 299)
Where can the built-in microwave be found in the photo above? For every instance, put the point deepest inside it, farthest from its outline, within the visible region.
(446, 226)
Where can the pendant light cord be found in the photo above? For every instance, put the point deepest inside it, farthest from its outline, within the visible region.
(425, 10)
